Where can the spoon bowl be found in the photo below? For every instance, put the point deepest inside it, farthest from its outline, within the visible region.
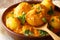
(53, 35)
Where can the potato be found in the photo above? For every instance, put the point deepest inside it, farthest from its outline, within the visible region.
(22, 7)
(12, 23)
(33, 18)
(39, 6)
(55, 22)
(48, 3)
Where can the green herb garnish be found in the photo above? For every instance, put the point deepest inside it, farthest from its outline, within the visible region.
(22, 18)
(50, 12)
(19, 17)
(42, 33)
(44, 19)
(28, 32)
(39, 8)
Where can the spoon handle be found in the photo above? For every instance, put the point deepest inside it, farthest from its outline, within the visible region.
(53, 35)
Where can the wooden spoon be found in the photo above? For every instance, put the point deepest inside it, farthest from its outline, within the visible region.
(53, 35)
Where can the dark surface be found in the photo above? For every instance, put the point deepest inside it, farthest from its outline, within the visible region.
(20, 36)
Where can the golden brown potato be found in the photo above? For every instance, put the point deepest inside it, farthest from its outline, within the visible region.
(12, 23)
(34, 16)
(55, 22)
(40, 7)
(22, 7)
(9, 14)
(48, 3)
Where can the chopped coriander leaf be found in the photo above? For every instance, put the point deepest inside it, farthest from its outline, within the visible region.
(44, 19)
(19, 17)
(42, 33)
(28, 32)
(50, 12)
(52, 20)
(22, 18)
(38, 8)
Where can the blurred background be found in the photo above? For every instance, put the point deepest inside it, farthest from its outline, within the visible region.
(7, 3)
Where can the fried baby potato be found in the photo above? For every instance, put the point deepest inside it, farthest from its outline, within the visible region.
(12, 23)
(40, 9)
(48, 3)
(55, 22)
(33, 18)
(38, 6)
(22, 7)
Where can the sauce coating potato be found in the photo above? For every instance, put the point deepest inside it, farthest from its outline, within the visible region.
(22, 7)
(34, 16)
(36, 33)
(48, 3)
(55, 22)
(33, 31)
(39, 7)
(25, 17)
(12, 23)
(26, 27)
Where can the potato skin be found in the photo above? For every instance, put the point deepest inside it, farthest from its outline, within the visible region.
(48, 3)
(40, 7)
(22, 7)
(55, 22)
(34, 16)
(33, 19)
(12, 23)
